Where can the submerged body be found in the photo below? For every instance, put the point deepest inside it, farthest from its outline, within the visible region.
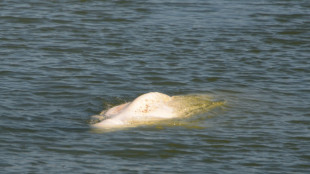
(151, 107)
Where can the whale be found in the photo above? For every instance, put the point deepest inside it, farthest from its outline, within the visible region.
(150, 108)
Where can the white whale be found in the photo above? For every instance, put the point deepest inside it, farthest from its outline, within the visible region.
(151, 107)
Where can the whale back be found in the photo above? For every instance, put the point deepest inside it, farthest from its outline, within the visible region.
(152, 107)
(147, 104)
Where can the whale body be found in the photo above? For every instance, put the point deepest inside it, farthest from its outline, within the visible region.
(151, 107)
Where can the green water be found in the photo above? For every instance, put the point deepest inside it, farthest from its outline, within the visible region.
(63, 61)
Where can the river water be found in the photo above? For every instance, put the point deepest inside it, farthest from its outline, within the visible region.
(63, 61)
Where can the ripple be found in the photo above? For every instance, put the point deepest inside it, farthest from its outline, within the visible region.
(62, 62)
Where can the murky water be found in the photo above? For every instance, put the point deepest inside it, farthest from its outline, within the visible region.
(63, 61)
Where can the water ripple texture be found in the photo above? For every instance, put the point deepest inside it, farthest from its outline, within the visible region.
(63, 61)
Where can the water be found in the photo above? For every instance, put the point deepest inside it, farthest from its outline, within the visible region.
(63, 61)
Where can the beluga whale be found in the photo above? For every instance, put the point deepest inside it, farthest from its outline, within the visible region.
(151, 108)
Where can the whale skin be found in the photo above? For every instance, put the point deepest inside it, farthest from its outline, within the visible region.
(149, 108)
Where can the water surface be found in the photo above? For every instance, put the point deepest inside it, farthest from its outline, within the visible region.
(63, 61)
